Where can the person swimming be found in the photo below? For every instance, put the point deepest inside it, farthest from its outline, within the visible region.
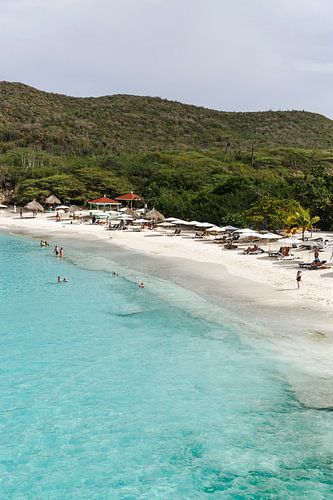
(141, 285)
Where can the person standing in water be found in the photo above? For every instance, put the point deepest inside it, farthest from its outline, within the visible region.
(56, 250)
(61, 252)
(298, 278)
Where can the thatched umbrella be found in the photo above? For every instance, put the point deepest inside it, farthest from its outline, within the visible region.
(52, 200)
(131, 212)
(154, 215)
(33, 206)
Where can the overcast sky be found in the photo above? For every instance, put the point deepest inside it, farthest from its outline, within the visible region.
(225, 54)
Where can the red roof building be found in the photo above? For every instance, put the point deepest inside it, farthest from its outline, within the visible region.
(103, 201)
(129, 197)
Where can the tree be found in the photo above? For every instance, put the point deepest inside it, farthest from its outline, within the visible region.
(272, 212)
(302, 219)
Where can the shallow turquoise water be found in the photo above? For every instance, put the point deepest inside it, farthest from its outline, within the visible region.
(108, 391)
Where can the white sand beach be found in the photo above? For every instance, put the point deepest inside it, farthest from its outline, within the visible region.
(266, 281)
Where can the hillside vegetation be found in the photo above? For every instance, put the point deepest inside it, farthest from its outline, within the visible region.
(123, 123)
(188, 161)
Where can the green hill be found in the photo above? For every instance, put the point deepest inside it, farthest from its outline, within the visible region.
(187, 161)
(124, 123)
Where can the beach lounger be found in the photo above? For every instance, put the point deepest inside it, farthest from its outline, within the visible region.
(288, 257)
(312, 266)
(274, 254)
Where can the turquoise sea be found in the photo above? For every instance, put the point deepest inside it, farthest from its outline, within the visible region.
(112, 392)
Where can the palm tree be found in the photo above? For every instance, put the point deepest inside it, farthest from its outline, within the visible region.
(302, 218)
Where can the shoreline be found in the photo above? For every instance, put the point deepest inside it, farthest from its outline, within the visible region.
(298, 330)
(254, 279)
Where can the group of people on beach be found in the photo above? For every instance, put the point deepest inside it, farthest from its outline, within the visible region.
(59, 252)
(316, 263)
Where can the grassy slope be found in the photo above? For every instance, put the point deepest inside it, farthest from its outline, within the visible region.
(88, 126)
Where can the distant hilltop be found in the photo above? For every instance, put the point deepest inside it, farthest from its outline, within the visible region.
(126, 123)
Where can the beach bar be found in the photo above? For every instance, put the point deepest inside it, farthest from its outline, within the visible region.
(103, 203)
(129, 198)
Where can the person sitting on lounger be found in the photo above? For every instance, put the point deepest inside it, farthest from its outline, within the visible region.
(253, 249)
(317, 262)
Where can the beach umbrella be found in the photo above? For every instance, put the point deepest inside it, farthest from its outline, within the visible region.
(140, 221)
(215, 229)
(271, 236)
(165, 224)
(179, 222)
(82, 213)
(125, 217)
(247, 235)
(33, 206)
(155, 215)
(291, 241)
(230, 228)
(183, 223)
(3, 206)
(246, 230)
(204, 225)
(52, 200)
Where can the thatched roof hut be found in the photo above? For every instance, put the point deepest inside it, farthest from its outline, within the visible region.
(154, 215)
(52, 200)
(131, 212)
(34, 206)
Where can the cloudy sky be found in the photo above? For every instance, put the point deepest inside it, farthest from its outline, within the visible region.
(225, 54)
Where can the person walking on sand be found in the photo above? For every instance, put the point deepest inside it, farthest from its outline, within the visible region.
(298, 278)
